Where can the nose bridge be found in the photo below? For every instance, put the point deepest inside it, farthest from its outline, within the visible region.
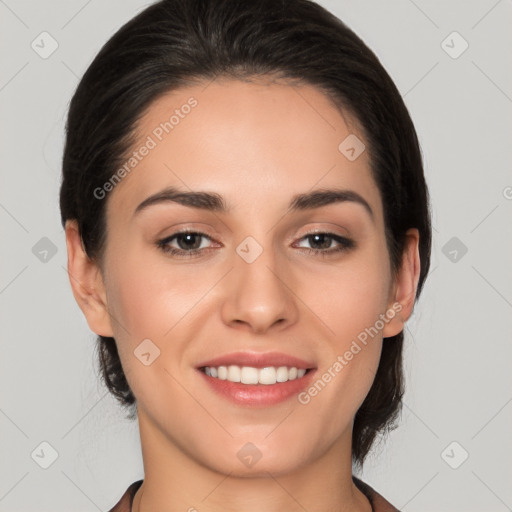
(259, 295)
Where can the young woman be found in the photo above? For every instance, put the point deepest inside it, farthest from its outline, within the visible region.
(248, 229)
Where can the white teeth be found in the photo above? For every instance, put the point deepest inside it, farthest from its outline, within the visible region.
(267, 375)
(222, 373)
(250, 375)
(282, 374)
(234, 374)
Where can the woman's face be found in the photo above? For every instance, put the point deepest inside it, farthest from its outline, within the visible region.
(261, 290)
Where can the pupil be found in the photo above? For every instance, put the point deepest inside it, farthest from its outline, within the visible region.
(326, 244)
(187, 236)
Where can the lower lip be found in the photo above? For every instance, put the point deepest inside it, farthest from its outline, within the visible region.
(258, 394)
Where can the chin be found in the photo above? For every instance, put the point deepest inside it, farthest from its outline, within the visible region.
(249, 460)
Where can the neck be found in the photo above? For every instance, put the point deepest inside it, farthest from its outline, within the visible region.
(175, 481)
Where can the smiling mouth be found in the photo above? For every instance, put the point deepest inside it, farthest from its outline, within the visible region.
(250, 375)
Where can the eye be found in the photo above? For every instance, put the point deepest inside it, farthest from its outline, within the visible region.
(189, 244)
(325, 240)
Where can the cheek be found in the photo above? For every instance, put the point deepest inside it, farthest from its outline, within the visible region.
(350, 301)
(149, 297)
(349, 298)
(150, 301)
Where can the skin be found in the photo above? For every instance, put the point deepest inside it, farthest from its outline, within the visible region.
(257, 144)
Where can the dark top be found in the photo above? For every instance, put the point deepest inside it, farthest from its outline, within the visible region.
(378, 503)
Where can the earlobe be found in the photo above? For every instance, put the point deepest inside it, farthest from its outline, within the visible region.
(403, 296)
(87, 283)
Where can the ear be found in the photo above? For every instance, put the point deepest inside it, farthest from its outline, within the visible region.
(87, 283)
(404, 287)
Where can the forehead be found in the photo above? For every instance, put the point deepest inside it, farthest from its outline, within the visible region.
(248, 141)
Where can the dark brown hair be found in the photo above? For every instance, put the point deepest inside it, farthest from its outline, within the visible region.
(174, 42)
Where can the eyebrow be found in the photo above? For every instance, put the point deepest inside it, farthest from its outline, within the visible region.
(211, 201)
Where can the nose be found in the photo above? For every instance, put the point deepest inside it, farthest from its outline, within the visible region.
(259, 296)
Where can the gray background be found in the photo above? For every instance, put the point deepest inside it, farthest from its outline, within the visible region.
(458, 341)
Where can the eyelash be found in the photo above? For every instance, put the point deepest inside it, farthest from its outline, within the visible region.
(345, 244)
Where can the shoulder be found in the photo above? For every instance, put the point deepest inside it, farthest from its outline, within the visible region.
(125, 503)
(378, 502)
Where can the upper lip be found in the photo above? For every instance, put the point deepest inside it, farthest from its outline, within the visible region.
(258, 360)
